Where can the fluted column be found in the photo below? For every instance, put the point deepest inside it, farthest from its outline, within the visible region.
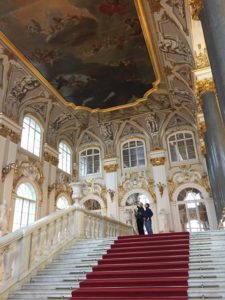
(212, 16)
(215, 143)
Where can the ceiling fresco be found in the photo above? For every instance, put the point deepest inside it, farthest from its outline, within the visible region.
(92, 52)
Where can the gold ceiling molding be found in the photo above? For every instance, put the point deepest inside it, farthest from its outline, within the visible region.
(111, 168)
(205, 85)
(196, 7)
(158, 161)
(12, 135)
(139, 4)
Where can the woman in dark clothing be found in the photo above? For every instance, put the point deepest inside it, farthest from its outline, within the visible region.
(140, 218)
(147, 219)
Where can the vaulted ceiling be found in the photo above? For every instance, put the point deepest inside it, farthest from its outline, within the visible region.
(93, 52)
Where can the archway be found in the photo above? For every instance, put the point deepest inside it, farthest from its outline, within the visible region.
(129, 206)
(192, 206)
(94, 204)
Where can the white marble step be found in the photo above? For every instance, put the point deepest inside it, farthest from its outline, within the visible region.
(65, 272)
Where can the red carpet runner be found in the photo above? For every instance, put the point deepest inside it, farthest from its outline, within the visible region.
(140, 267)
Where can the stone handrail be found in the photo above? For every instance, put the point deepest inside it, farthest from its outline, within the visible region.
(26, 250)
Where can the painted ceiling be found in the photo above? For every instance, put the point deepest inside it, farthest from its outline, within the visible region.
(92, 52)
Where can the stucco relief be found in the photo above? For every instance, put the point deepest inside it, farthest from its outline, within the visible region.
(187, 174)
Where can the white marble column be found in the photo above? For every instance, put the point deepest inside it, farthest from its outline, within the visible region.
(111, 179)
(157, 159)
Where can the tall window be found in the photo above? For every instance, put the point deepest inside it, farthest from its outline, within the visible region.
(65, 157)
(62, 202)
(31, 136)
(89, 162)
(181, 147)
(133, 154)
(25, 206)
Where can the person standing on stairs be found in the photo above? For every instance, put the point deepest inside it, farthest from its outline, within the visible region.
(140, 218)
(148, 218)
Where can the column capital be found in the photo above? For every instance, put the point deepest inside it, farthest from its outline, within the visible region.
(10, 129)
(157, 157)
(205, 85)
(51, 155)
(196, 7)
(110, 164)
(111, 168)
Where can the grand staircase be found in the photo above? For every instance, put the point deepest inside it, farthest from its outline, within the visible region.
(175, 266)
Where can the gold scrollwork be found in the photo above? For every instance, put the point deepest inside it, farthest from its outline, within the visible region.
(111, 168)
(171, 188)
(196, 7)
(158, 161)
(51, 159)
(205, 85)
(6, 170)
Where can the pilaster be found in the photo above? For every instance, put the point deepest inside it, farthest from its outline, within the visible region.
(49, 170)
(111, 178)
(157, 160)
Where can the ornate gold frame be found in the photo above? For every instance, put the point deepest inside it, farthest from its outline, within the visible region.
(139, 4)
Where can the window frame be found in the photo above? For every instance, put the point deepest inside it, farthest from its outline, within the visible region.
(37, 123)
(180, 162)
(100, 163)
(145, 154)
(29, 201)
(71, 157)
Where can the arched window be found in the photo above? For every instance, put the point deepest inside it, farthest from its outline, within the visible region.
(25, 206)
(62, 202)
(133, 153)
(65, 157)
(192, 210)
(181, 147)
(31, 136)
(90, 162)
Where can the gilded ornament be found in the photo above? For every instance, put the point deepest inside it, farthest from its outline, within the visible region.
(7, 132)
(158, 161)
(171, 188)
(202, 60)
(6, 170)
(111, 168)
(51, 159)
(205, 85)
(151, 188)
(196, 7)
(202, 147)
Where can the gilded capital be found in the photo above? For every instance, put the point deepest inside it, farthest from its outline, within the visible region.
(111, 168)
(196, 7)
(51, 159)
(158, 161)
(205, 85)
(12, 135)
